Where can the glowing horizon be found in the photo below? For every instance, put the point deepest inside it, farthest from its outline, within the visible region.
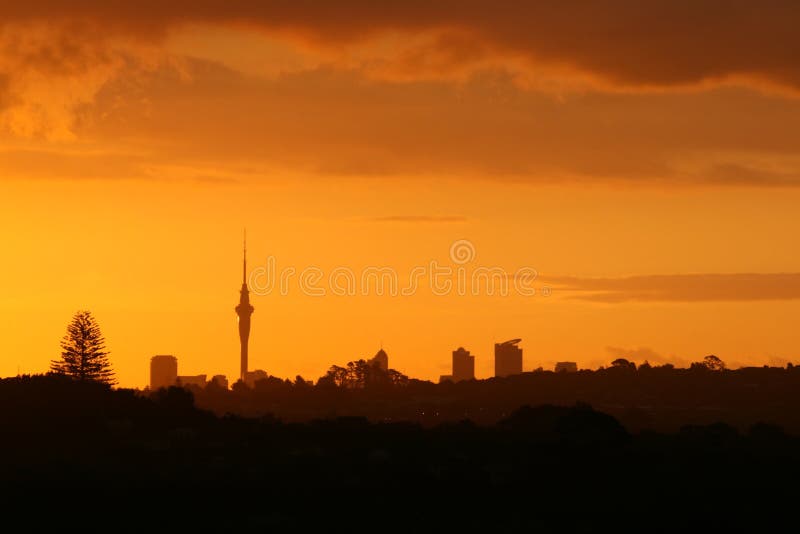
(644, 165)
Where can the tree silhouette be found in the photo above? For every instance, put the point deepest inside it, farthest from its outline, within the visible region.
(713, 363)
(83, 352)
(622, 363)
(709, 363)
(362, 374)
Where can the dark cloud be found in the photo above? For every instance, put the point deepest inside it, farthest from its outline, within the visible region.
(627, 42)
(683, 288)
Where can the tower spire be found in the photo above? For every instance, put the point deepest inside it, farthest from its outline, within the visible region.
(244, 310)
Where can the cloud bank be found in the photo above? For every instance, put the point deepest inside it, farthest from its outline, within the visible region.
(541, 92)
(683, 287)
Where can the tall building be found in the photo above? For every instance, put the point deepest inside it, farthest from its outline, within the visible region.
(463, 365)
(244, 310)
(507, 358)
(163, 371)
(381, 359)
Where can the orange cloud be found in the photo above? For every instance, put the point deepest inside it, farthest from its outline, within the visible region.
(332, 122)
(48, 70)
(203, 119)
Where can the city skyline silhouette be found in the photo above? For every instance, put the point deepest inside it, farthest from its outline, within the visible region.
(509, 361)
(644, 185)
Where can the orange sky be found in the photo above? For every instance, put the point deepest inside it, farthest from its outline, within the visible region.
(645, 163)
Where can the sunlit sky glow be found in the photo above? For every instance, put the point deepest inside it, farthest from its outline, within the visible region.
(645, 160)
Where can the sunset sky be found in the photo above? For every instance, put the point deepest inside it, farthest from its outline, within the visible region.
(642, 157)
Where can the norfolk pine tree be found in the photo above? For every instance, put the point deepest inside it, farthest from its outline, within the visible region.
(83, 352)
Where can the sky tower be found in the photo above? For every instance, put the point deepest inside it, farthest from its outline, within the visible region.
(244, 310)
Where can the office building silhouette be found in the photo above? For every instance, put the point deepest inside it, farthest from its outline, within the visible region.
(244, 310)
(463, 365)
(163, 371)
(507, 358)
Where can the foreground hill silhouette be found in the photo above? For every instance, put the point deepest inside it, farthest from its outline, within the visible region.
(648, 398)
(96, 457)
